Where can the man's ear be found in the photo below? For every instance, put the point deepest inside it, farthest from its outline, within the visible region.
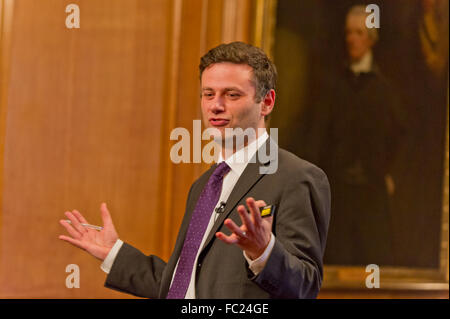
(268, 102)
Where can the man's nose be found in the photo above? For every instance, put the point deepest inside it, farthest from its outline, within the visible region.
(218, 105)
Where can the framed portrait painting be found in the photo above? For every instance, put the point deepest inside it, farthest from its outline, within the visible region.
(363, 94)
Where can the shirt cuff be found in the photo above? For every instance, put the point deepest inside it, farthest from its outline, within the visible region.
(257, 265)
(109, 260)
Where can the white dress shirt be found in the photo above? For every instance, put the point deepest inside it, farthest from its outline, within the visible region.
(237, 162)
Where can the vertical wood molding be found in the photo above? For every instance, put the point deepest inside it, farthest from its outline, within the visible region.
(229, 20)
(6, 16)
(204, 28)
(244, 15)
(236, 23)
(169, 120)
(263, 34)
(203, 49)
(444, 260)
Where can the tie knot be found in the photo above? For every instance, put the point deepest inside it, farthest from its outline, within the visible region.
(221, 170)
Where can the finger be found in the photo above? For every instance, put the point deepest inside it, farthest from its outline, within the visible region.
(74, 242)
(245, 217)
(268, 220)
(254, 212)
(106, 216)
(260, 203)
(72, 231)
(90, 232)
(75, 223)
(232, 239)
(235, 229)
(80, 217)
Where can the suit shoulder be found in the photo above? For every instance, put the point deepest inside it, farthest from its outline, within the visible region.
(292, 165)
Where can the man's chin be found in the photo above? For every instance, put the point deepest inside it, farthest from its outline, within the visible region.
(216, 133)
(220, 137)
(355, 56)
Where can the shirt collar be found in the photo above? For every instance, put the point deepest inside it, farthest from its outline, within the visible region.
(239, 160)
(364, 65)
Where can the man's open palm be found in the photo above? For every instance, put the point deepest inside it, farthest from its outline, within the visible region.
(97, 243)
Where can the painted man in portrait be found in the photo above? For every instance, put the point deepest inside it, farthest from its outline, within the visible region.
(357, 129)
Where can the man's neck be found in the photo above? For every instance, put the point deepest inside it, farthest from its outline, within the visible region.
(228, 149)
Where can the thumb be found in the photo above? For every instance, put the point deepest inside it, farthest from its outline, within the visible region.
(106, 217)
(268, 223)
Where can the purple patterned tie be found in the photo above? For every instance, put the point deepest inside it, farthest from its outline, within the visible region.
(197, 227)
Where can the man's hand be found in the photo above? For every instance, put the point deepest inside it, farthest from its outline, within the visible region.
(97, 243)
(254, 234)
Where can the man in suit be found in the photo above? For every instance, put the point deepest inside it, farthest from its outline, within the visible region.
(274, 257)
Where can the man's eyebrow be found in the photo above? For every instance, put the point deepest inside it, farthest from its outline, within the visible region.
(232, 88)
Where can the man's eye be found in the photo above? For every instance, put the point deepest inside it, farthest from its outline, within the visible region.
(234, 95)
(207, 94)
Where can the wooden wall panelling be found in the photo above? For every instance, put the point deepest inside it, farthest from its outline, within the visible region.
(83, 126)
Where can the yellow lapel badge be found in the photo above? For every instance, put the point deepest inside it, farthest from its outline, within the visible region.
(267, 211)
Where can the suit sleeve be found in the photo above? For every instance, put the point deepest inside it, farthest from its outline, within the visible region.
(135, 273)
(295, 267)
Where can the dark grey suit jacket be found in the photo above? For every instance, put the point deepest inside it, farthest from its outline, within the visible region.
(301, 193)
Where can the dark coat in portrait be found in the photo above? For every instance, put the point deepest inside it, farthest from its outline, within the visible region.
(352, 132)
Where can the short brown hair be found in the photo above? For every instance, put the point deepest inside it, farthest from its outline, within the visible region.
(264, 71)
